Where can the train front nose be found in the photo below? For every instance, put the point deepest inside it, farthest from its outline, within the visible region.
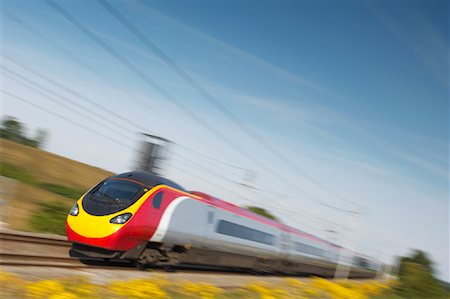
(103, 217)
(106, 231)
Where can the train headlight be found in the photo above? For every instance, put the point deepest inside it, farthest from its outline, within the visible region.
(121, 219)
(74, 210)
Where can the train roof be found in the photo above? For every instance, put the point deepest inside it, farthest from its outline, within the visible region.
(148, 179)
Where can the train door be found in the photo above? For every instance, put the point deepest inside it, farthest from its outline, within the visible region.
(284, 245)
(210, 226)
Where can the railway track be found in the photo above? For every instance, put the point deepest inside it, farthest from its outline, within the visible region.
(11, 259)
(27, 249)
(32, 255)
(38, 250)
(8, 236)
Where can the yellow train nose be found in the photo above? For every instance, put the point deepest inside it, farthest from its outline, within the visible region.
(91, 226)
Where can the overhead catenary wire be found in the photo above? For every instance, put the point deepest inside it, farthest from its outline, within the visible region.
(63, 101)
(125, 92)
(65, 118)
(212, 159)
(185, 160)
(311, 216)
(237, 195)
(74, 58)
(195, 165)
(186, 109)
(145, 78)
(218, 104)
(74, 93)
(98, 133)
(107, 111)
(205, 180)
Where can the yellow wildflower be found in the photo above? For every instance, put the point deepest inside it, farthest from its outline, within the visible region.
(44, 288)
(64, 295)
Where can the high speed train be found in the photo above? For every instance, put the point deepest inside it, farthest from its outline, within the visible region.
(149, 220)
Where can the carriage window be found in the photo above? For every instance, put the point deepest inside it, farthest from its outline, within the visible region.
(300, 247)
(157, 199)
(239, 231)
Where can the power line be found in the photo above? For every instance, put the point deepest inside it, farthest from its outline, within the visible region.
(144, 77)
(214, 101)
(237, 195)
(205, 180)
(113, 84)
(73, 57)
(211, 158)
(74, 93)
(194, 165)
(65, 118)
(28, 82)
(126, 92)
(60, 85)
(191, 113)
(313, 217)
(56, 99)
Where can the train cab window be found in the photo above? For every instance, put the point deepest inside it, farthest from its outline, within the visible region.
(117, 190)
(111, 196)
(157, 199)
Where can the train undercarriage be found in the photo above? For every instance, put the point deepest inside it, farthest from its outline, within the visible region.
(170, 256)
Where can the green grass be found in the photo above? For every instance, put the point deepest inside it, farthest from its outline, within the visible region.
(61, 190)
(16, 173)
(51, 216)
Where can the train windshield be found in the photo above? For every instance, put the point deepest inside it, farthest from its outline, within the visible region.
(117, 190)
(111, 196)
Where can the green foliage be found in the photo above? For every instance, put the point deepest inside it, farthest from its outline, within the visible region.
(446, 286)
(262, 212)
(14, 130)
(51, 218)
(416, 278)
(62, 190)
(23, 176)
(417, 257)
(16, 173)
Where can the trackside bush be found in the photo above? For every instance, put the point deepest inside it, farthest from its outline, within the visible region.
(51, 218)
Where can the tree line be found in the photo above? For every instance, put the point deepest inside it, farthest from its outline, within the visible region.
(14, 130)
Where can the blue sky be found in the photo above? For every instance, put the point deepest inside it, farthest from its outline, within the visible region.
(354, 92)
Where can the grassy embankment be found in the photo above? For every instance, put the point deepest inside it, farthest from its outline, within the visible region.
(45, 187)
